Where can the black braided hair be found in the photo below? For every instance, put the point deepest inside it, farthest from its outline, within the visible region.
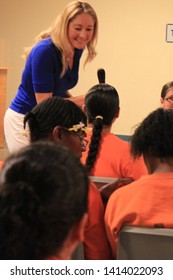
(101, 100)
(94, 144)
(43, 194)
(51, 112)
(154, 136)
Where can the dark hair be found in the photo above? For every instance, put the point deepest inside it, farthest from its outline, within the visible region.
(166, 88)
(102, 104)
(51, 112)
(43, 194)
(154, 136)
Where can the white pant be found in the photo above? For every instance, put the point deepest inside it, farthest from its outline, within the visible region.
(15, 136)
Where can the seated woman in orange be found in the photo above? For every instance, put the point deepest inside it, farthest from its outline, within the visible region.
(149, 200)
(62, 121)
(41, 215)
(107, 155)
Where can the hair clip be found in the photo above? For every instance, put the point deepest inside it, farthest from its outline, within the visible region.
(24, 133)
(76, 127)
(99, 117)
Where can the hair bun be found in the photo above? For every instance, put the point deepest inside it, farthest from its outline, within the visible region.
(101, 76)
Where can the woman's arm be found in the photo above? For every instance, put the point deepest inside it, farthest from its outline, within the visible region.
(41, 96)
(78, 100)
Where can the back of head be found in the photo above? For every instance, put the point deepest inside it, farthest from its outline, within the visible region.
(52, 112)
(102, 106)
(102, 100)
(154, 136)
(43, 194)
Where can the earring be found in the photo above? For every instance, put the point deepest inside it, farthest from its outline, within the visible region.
(83, 148)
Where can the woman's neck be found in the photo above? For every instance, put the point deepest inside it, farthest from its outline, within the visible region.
(70, 59)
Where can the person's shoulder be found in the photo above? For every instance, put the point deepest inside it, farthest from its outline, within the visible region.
(45, 42)
(131, 189)
(45, 46)
(125, 190)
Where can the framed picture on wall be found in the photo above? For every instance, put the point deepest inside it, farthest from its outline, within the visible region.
(169, 33)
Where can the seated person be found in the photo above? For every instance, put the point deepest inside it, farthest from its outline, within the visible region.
(107, 155)
(149, 200)
(62, 121)
(43, 203)
(166, 99)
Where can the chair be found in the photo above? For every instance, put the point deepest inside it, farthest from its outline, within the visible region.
(143, 243)
(101, 181)
(78, 254)
(126, 138)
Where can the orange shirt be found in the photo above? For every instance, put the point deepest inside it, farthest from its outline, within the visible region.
(1, 164)
(114, 159)
(145, 202)
(96, 246)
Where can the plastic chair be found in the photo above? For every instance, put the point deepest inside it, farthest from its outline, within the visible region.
(144, 243)
(78, 253)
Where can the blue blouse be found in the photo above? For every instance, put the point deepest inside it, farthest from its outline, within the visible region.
(42, 74)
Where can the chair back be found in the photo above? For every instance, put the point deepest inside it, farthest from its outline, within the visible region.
(101, 181)
(143, 243)
(78, 254)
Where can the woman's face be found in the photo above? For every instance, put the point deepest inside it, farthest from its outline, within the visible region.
(75, 141)
(81, 30)
(167, 102)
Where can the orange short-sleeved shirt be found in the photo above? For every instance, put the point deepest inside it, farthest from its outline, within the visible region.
(145, 202)
(96, 245)
(114, 159)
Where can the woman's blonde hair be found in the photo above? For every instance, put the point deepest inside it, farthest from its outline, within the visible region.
(58, 31)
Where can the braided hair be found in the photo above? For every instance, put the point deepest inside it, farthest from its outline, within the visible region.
(51, 112)
(43, 194)
(102, 104)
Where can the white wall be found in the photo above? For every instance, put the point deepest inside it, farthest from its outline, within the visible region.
(131, 48)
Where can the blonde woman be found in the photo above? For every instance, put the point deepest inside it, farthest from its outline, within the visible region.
(52, 66)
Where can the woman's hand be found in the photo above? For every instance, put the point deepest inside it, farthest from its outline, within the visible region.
(78, 100)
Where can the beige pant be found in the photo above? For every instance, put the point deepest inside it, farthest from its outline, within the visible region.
(15, 136)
